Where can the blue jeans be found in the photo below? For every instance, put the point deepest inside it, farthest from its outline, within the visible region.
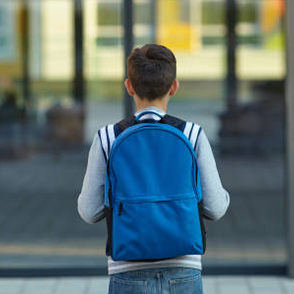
(157, 281)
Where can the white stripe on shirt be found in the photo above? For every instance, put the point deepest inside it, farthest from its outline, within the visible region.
(104, 141)
(194, 134)
(111, 135)
(187, 129)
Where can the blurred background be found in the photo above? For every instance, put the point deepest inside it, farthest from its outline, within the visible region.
(61, 79)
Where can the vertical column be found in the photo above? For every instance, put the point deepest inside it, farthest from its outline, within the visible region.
(128, 46)
(153, 20)
(24, 27)
(79, 83)
(231, 80)
(35, 28)
(290, 134)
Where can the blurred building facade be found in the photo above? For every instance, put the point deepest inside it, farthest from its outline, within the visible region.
(195, 30)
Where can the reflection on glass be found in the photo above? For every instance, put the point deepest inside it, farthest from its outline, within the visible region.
(44, 143)
(261, 40)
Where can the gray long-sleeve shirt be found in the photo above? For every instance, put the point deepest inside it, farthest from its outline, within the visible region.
(91, 199)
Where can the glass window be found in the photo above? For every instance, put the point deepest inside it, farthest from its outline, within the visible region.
(261, 46)
(45, 135)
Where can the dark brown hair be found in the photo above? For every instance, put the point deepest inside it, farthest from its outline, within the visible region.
(151, 70)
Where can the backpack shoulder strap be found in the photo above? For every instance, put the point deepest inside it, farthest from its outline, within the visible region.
(190, 130)
(173, 121)
(108, 133)
(124, 124)
(166, 119)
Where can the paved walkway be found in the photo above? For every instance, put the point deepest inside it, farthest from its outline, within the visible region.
(212, 285)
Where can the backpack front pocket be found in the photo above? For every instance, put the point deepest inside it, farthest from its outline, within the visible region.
(156, 229)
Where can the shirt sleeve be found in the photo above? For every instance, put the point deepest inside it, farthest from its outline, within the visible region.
(91, 198)
(216, 199)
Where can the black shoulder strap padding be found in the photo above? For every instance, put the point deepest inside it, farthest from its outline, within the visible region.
(166, 119)
(173, 121)
(126, 123)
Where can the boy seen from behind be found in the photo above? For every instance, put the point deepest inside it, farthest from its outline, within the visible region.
(154, 177)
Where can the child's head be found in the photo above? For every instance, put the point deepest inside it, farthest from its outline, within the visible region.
(151, 71)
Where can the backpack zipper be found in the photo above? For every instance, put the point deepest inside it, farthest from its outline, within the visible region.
(120, 208)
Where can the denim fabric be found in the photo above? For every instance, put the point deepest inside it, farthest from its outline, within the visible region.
(157, 281)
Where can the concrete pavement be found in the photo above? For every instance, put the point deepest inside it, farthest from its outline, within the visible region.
(99, 285)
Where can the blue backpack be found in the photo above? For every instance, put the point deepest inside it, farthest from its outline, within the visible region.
(152, 191)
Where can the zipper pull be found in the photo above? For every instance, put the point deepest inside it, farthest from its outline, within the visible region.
(120, 208)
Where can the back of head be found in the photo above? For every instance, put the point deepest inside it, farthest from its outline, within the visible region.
(151, 70)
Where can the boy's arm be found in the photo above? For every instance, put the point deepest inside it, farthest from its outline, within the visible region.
(216, 199)
(91, 199)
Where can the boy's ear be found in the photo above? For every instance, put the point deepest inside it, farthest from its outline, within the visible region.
(129, 87)
(174, 88)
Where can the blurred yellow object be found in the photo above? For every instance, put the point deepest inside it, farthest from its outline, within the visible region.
(179, 36)
(172, 32)
(272, 10)
(168, 11)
